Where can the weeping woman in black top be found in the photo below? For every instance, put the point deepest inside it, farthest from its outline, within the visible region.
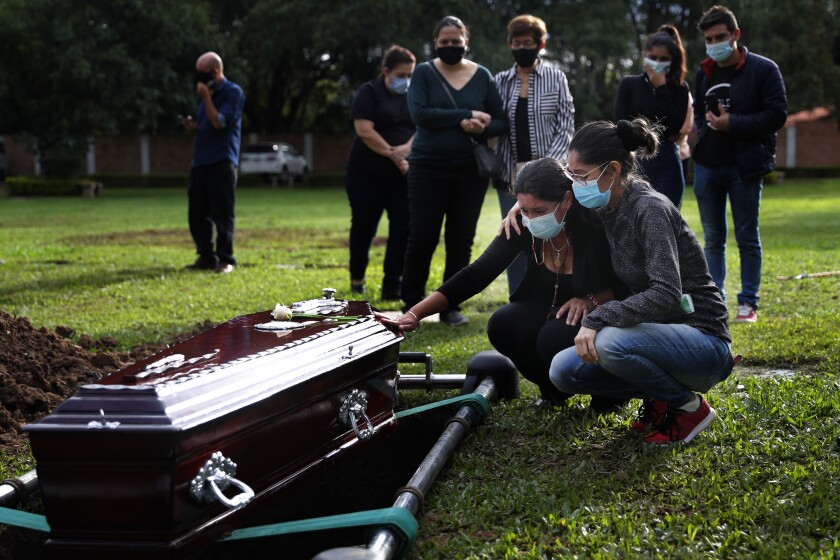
(661, 95)
(568, 274)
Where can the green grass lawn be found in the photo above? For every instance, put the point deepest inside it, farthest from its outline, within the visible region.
(763, 482)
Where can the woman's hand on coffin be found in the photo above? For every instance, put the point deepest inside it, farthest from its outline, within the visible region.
(406, 323)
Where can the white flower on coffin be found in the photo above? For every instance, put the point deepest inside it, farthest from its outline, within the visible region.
(281, 313)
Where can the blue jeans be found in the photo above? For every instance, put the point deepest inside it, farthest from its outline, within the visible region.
(711, 187)
(516, 270)
(649, 361)
(665, 172)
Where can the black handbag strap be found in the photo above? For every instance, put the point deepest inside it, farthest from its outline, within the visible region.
(440, 78)
(438, 75)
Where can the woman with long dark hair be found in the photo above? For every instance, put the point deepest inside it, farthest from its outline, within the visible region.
(660, 95)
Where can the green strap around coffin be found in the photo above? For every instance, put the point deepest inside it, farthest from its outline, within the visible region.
(394, 517)
(399, 518)
(24, 519)
(470, 398)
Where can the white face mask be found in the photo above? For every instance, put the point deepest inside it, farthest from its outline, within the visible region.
(545, 226)
(658, 67)
(399, 85)
(589, 194)
(719, 51)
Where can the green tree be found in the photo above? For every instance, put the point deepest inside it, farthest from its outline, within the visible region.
(798, 36)
(304, 63)
(70, 70)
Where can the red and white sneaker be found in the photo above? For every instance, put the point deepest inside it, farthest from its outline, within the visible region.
(746, 314)
(651, 414)
(681, 426)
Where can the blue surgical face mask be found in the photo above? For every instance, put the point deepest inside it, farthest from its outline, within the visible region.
(545, 226)
(399, 85)
(719, 51)
(658, 67)
(588, 193)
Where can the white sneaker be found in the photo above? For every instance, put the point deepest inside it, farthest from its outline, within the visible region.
(746, 314)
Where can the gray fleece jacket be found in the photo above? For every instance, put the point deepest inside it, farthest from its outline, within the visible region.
(656, 254)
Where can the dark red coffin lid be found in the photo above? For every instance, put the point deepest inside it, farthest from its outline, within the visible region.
(216, 372)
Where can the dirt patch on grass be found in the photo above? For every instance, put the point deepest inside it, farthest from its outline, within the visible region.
(245, 238)
(39, 369)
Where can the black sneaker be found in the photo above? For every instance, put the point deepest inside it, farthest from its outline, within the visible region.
(553, 399)
(391, 289)
(606, 405)
(453, 318)
(202, 263)
(357, 289)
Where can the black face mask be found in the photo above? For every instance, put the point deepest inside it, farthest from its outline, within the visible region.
(525, 58)
(206, 78)
(450, 55)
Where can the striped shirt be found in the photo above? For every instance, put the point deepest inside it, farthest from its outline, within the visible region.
(551, 115)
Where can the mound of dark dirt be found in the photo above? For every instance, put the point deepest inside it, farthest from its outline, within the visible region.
(40, 368)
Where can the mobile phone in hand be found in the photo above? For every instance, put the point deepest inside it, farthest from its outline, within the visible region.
(712, 104)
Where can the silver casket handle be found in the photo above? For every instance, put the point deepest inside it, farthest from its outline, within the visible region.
(214, 478)
(354, 406)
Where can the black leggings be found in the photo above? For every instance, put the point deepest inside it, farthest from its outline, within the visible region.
(519, 330)
(369, 195)
(434, 193)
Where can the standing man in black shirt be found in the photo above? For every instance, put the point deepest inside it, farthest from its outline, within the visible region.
(740, 103)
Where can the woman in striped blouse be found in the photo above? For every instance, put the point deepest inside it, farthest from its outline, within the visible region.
(540, 113)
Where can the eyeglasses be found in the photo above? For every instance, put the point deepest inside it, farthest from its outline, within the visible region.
(529, 44)
(582, 177)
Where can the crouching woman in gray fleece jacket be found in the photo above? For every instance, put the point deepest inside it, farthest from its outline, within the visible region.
(670, 339)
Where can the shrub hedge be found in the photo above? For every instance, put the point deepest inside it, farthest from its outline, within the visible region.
(36, 186)
(821, 172)
(40, 186)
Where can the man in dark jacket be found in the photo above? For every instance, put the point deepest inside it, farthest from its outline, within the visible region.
(740, 103)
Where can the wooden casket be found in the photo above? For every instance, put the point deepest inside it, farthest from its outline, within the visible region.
(141, 464)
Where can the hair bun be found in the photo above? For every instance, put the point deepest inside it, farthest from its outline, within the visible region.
(625, 133)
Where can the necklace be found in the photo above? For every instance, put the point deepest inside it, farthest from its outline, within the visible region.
(558, 263)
